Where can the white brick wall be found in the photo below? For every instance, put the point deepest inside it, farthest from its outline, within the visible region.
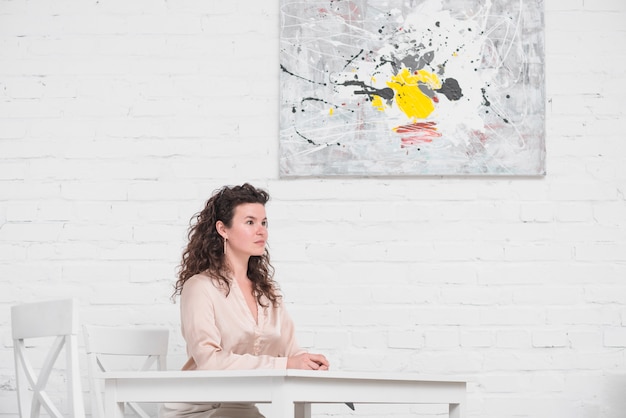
(119, 118)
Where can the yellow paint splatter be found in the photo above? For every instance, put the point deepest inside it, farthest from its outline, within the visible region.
(377, 102)
(410, 99)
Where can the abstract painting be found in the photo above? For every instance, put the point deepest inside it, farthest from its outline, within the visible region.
(411, 87)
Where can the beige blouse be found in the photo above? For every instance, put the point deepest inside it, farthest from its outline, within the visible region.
(221, 332)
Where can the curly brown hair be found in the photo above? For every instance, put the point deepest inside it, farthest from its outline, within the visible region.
(205, 251)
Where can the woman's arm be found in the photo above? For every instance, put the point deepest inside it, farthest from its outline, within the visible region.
(298, 358)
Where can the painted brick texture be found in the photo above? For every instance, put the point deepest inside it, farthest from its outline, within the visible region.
(118, 119)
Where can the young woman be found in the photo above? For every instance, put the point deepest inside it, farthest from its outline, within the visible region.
(232, 315)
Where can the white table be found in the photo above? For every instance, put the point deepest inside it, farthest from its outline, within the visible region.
(290, 392)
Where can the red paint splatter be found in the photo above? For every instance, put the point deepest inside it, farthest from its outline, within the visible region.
(350, 15)
(417, 133)
(480, 136)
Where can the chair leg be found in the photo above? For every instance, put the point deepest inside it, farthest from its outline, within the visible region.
(303, 410)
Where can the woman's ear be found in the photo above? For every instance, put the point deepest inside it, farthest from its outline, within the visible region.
(221, 229)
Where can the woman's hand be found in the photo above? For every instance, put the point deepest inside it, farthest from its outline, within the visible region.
(308, 361)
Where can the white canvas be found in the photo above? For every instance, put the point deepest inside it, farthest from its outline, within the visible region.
(398, 87)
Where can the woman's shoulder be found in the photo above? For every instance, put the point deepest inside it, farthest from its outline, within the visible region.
(202, 282)
(199, 277)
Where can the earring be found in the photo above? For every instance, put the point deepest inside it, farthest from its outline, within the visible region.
(225, 245)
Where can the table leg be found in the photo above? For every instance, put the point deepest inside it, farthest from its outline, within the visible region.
(303, 410)
(457, 410)
(282, 409)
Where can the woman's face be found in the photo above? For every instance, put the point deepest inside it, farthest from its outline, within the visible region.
(247, 234)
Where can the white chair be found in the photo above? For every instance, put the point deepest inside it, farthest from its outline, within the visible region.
(114, 348)
(58, 318)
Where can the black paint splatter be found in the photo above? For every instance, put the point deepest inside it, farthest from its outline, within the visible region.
(386, 93)
(316, 99)
(352, 59)
(310, 141)
(451, 89)
(282, 67)
(417, 62)
(486, 101)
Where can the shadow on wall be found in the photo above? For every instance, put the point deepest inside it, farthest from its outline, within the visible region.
(614, 396)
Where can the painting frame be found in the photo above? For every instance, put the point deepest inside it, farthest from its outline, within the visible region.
(412, 88)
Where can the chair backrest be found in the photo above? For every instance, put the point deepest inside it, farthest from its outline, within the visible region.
(57, 320)
(114, 348)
